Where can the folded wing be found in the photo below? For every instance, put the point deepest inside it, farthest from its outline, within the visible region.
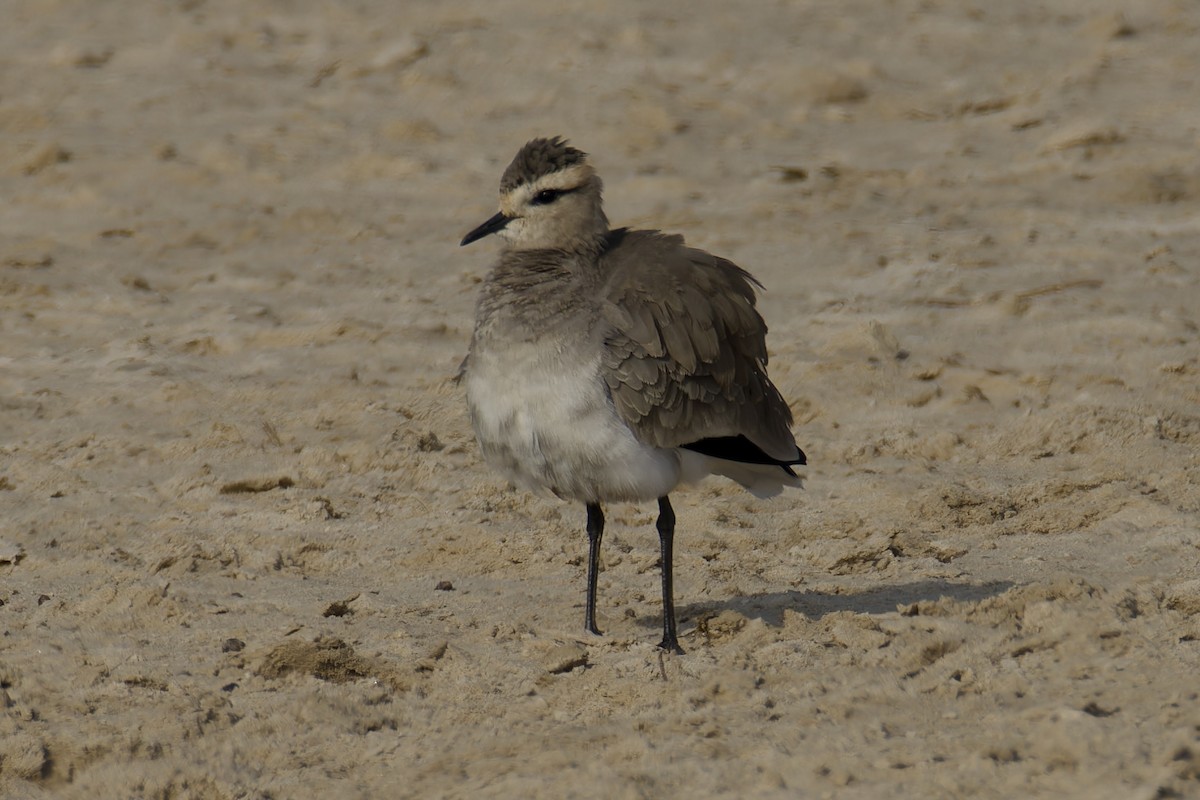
(685, 352)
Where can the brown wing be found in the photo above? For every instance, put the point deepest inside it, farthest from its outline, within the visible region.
(685, 353)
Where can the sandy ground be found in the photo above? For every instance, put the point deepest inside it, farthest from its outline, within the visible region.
(234, 467)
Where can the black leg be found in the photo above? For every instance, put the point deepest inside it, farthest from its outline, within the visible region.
(595, 530)
(666, 537)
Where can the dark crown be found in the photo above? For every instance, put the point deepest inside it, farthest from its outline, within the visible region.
(537, 158)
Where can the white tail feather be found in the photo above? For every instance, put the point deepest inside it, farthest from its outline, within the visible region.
(761, 480)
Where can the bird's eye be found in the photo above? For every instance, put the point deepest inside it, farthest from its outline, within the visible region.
(545, 197)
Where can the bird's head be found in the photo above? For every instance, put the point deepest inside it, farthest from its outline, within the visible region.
(550, 198)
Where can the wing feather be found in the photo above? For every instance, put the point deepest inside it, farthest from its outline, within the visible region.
(685, 348)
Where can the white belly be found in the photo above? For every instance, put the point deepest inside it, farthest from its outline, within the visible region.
(548, 423)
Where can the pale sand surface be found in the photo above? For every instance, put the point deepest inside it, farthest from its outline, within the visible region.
(232, 305)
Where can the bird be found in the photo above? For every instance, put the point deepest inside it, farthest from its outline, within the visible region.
(613, 365)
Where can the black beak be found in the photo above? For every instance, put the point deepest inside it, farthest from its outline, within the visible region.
(494, 224)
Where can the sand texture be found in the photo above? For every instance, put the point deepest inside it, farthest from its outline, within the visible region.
(248, 548)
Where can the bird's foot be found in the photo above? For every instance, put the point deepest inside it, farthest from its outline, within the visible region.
(670, 645)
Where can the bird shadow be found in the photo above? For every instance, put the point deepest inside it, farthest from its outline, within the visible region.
(769, 607)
